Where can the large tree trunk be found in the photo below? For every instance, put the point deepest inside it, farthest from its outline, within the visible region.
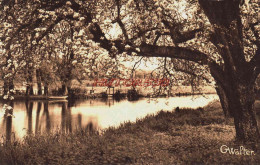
(237, 100)
(235, 77)
(237, 97)
(242, 102)
(64, 89)
(67, 74)
(8, 86)
(46, 90)
(29, 87)
(223, 100)
(39, 82)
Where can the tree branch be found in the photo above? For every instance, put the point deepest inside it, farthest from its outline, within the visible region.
(255, 61)
(252, 27)
(23, 26)
(156, 38)
(177, 36)
(174, 52)
(185, 36)
(119, 21)
(217, 73)
(49, 29)
(142, 32)
(192, 73)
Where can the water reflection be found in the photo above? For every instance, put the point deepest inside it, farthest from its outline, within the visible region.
(8, 126)
(29, 108)
(39, 106)
(43, 117)
(66, 124)
(47, 116)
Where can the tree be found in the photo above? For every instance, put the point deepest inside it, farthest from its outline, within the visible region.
(237, 81)
(233, 70)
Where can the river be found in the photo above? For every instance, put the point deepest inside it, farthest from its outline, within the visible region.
(42, 117)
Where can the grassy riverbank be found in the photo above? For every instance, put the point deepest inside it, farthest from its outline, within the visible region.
(189, 136)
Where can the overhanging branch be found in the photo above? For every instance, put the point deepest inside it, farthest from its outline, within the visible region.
(192, 74)
(174, 52)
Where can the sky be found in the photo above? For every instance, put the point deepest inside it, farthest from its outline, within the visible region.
(143, 65)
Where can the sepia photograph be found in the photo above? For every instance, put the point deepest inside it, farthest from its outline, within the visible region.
(109, 82)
